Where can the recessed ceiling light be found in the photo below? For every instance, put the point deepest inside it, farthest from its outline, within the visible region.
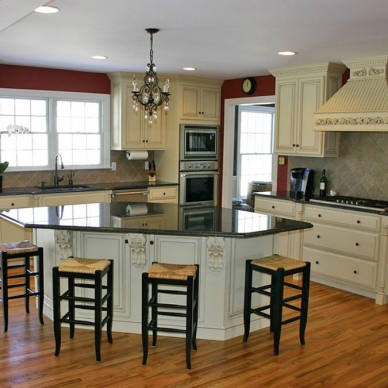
(189, 68)
(99, 57)
(287, 53)
(47, 9)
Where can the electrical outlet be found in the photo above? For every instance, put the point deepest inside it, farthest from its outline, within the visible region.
(113, 166)
(146, 166)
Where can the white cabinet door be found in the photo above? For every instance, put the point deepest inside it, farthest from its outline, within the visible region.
(72, 198)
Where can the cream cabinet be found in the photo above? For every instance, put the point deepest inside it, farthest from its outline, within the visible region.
(72, 198)
(10, 232)
(288, 243)
(129, 129)
(300, 91)
(343, 246)
(139, 222)
(201, 102)
(163, 194)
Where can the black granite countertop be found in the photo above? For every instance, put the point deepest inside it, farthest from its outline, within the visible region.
(84, 187)
(178, 220)
(285, 195)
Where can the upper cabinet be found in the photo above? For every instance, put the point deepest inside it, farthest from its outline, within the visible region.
(200, 102)
(300, 91)
(129, 129)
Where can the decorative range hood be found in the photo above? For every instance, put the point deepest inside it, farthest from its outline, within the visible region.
(362, 103)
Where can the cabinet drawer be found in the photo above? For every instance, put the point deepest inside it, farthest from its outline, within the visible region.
(163, 193)
(358, 272)
(343, 240)
(356, 220)
(14, 202)
(284, 208)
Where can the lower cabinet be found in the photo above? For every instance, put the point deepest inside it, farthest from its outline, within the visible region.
(163, 194)
(344, 250)
(72, 198)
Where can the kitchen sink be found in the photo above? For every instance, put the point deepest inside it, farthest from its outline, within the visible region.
(63, 188)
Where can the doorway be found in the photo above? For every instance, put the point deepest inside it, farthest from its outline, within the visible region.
(228, 183)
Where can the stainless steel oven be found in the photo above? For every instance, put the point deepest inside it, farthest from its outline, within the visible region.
(199, 142)
(198, 183)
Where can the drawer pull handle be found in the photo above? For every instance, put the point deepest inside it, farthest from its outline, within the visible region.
(358, 222)
(273, 207)
(164, 193)
(355, 272)
(12, 204)
(317, 262)
(319, 215)
(318, 236)
(357, 244)
(151, 243)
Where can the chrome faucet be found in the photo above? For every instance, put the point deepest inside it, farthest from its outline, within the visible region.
(57, 179)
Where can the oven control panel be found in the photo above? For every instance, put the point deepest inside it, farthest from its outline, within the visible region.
(207, 165)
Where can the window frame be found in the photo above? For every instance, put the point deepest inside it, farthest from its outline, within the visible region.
(52, 97)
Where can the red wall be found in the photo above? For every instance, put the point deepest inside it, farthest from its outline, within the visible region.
(37, 78)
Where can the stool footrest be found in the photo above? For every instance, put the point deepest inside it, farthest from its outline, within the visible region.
(172, 314)
(166, 305)
(172, 292)
(166, 329)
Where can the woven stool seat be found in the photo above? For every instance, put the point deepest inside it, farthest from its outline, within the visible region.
(19, 247)
(17, 274)
(82, 265)
(171, 271)
(276, 261)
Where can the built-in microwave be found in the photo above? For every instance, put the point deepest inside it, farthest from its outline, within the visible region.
(199, 142)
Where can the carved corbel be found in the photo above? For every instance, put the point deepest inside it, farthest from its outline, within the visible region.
(64, 241)
(137, 244)
(216, 249)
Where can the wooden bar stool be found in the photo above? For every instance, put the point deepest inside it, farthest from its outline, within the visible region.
(169, 276)
(278, 267)
(9, 271)
(77, 271)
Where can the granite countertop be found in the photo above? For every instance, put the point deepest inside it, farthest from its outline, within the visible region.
(178, 220)
(84, 187)
(285, 195)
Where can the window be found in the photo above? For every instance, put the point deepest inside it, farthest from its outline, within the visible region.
(254, 147)
(75, 125)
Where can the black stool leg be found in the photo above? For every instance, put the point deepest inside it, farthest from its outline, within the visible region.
(97, 314)
(40, 285)
(154, 313)
(305, 302)
(110, 303)
(195, 318)
(144, 317)
(71, 303)
(4, 288)
(189, 319)
(247, 299)
(56, 311)
(27, 282)
(277, 307)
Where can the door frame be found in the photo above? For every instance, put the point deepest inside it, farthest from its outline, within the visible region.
(229, 122)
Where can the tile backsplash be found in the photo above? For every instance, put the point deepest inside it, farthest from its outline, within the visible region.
(126, 171)
(361, 170)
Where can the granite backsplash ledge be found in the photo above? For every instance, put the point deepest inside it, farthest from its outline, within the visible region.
(361, 170)
(126, 171)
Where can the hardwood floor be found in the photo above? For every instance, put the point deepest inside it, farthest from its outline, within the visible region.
(346, 346)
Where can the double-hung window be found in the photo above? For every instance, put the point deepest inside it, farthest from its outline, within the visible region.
(37, 125)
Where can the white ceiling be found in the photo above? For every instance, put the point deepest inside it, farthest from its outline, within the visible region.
(223, 39)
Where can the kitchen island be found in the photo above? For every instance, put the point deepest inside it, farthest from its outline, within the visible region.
(134, 235)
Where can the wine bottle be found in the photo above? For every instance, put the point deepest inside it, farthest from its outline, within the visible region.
(323, 184)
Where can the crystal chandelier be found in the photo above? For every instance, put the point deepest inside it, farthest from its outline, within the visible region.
(150, 94)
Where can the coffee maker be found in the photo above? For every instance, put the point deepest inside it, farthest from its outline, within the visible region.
(301, 183)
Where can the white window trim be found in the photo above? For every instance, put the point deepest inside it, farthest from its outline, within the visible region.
(48, 94)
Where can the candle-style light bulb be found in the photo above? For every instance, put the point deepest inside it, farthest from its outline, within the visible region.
(166, 86)
(134, 83)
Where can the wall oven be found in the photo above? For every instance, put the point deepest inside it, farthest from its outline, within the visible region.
(199, 142)
(198, 183)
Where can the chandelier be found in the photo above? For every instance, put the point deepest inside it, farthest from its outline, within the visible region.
(150, 95)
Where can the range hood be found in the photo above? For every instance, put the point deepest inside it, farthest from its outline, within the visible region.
(362, 103)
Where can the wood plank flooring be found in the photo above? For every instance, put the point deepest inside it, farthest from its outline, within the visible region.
(346, 347)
